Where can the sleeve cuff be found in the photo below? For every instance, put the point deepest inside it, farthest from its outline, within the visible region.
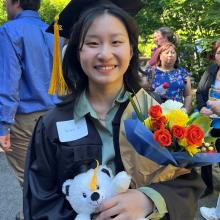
(4, 129)
(158, 200)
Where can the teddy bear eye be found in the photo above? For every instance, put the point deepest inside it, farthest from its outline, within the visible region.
(84, 195)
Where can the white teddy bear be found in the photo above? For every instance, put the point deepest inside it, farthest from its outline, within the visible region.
(88, 190)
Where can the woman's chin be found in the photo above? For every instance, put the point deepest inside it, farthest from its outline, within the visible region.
(170, 65)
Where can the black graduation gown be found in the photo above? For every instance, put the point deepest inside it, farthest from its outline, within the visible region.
(49, 163)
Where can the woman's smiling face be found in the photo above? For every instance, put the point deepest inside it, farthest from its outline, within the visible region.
(106, 52)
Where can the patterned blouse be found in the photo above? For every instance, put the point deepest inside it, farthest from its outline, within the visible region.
(176, 79)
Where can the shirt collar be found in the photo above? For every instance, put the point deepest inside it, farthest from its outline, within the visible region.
(83, 106)
(27, 13)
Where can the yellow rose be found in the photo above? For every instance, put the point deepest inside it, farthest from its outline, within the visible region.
(147, 123)
(177, 117)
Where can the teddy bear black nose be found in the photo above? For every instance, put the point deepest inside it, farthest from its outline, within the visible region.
(95, 196)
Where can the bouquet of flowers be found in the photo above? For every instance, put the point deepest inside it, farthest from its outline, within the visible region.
(163, 141)
(174, 129)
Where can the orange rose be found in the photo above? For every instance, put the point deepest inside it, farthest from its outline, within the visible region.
(163, 137)
(178, 131)
(157, 125)
(155, 111)
(194, 135)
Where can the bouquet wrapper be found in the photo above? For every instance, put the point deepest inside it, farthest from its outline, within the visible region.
(143, 169)
(142, 140)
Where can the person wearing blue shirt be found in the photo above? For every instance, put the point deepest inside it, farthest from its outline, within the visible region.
(26, 53)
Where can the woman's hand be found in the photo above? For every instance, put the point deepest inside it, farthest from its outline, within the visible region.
(126, 206)
(206, 111)
(215, 106)
(188, 95)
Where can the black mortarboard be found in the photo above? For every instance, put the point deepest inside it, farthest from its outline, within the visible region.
(71, 12)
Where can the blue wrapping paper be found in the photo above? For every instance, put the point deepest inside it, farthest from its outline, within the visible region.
(141, 138)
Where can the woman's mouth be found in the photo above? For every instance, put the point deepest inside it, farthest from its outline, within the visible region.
(105, 68)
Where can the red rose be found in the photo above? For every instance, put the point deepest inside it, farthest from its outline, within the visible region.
(155, 111)
(157, 125)
(194, 135)
(163, 137)
(178, 131)
(162, 119)
(166, 85)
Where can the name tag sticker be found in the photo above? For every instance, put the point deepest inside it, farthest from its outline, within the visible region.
(72, 130)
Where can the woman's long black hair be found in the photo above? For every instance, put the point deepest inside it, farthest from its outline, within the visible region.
(74, 76)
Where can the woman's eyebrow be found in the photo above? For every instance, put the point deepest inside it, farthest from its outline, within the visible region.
(113, 35)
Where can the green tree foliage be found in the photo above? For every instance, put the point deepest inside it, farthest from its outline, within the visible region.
(3, 15)
(48, 10)
(197, 23)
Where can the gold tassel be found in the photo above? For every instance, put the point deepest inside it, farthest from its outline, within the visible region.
(93, 183)
(57, 83)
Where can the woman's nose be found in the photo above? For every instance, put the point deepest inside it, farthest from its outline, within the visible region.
(105, 52)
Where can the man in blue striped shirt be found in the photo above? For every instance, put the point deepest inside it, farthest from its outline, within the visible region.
(26, 52)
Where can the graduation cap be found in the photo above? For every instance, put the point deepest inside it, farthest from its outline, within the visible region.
(72, 11)
(62, 27)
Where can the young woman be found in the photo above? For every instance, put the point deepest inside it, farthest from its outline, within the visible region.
(210, 78)
(101, 68)
(167, 71)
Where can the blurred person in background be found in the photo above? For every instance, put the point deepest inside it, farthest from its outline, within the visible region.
(168, 79)
(210, 80)
(26, 53)
(214, 212)
(162, 36)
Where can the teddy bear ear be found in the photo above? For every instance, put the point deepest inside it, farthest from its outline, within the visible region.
(66, 190)
(66, 187)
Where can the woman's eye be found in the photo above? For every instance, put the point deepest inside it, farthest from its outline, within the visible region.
(117, 42)
(92, 44)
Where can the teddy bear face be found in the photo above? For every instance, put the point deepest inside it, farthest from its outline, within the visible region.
(79, 195)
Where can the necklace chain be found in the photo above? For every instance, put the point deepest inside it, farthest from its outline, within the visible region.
(101, 119)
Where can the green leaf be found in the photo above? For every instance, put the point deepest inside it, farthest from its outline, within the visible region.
(192, 117)
(203, 122)
(210, 139)
(139, 114)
